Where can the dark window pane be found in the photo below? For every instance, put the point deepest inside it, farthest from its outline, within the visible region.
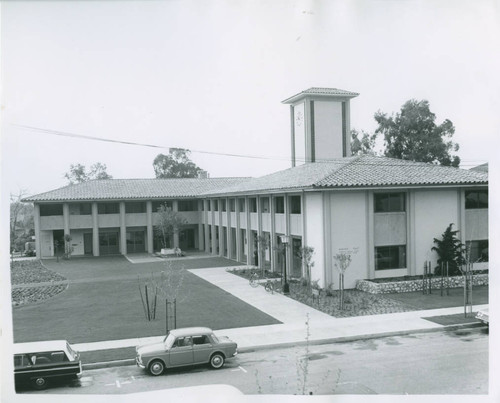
(232, 204)
(280, 205)
(187, 205)
(476, 199)
(51, 209)
(253, 204)
(389, 202)
(241, 205)
(108, 208)
(390, 257)
(135, 207)
(478, 251)
(264, 204)
(295, 207)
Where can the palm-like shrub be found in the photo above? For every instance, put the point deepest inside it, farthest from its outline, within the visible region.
(450, 250)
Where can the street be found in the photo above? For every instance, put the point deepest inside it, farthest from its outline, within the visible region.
(426, 363)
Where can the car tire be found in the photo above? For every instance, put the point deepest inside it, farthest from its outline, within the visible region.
(39, 383)
(156, 367)
(217, 361)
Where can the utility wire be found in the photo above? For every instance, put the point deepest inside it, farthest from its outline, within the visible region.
(472, 163)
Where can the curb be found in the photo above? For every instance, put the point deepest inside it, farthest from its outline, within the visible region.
(346, 339)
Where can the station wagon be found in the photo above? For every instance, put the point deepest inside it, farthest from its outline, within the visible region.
(39, 363)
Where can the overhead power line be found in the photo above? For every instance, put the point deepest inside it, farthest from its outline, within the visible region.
(470, 163)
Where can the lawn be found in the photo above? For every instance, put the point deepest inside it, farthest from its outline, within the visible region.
(103, 302)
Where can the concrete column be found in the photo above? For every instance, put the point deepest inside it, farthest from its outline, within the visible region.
(288, 251)
(95, 230)
(66, 218)
(249, 226)
(123, 230)
(201, 216)
(214, 239)
(149, 225)
(207, 232)
(175, 207)
(259, 233)
(304, 226)
(230, 239)
(222, 241)
(38, 234)
(273, 233)
(238, 229)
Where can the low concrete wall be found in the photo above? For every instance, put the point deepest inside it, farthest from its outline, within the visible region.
(416, 285)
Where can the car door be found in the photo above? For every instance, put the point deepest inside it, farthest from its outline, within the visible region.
(202, 348)
(181, 352)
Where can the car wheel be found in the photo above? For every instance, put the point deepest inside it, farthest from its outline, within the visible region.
(217, 361)
(39, 383)
(156, 368)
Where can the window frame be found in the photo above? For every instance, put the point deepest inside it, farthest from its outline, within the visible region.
(379, 198)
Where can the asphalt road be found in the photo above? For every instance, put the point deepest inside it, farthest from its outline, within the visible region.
(426, 363)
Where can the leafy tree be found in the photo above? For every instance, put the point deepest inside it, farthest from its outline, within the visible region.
(306, 254)
(175, 165)
(412, 134)
(450, 250)
(21, 219)
(362, 143)
(167, 224)
(262, 243)
(78, 173)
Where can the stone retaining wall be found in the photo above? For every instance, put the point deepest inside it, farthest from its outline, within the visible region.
(416, 285)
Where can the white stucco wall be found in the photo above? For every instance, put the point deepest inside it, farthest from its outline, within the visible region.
(314, 234)
(349, 231)
(328, 129)
(433, 211)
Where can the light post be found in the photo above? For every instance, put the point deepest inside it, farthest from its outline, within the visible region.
(285, 240)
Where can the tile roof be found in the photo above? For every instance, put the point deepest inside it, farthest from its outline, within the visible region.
(119, 189)
(315, 91)
(359, 171)
(351, 172)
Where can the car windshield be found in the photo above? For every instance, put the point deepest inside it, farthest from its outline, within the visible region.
(169, 340)
(214, 338)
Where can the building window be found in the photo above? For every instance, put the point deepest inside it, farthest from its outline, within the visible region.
(135, 207)
(390, 257)
(215, 205)
(477, 250)
(389, 202)
(295, 207)
(157, 204)
(264, 204)
(253, 204)
(223, 205)
(476, 199)
(187, 205)
(85, 208)
(51, 209)
(241, 205)
(279, 204)
(232, 205)
(108, 208)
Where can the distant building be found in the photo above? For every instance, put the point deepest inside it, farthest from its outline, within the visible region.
(387, 211)
(481, 168)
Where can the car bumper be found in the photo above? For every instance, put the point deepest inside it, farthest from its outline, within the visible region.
(139, 363)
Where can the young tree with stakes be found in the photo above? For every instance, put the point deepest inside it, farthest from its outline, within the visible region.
(168, 223)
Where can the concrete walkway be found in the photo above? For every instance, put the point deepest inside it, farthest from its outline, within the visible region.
(322, 328)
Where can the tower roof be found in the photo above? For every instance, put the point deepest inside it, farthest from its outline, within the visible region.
(321, 93)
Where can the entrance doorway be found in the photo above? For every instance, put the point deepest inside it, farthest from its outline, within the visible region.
(297, 261)
(187, 239)
(108, 243)
(58, 241)
(87, 243)
(135, 242)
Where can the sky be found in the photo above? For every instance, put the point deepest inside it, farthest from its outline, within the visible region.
(210, 76)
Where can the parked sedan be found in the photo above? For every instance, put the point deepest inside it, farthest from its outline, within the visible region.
(483, 316)
(186, 347)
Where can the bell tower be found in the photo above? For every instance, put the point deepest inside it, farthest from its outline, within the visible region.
(320, 122)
